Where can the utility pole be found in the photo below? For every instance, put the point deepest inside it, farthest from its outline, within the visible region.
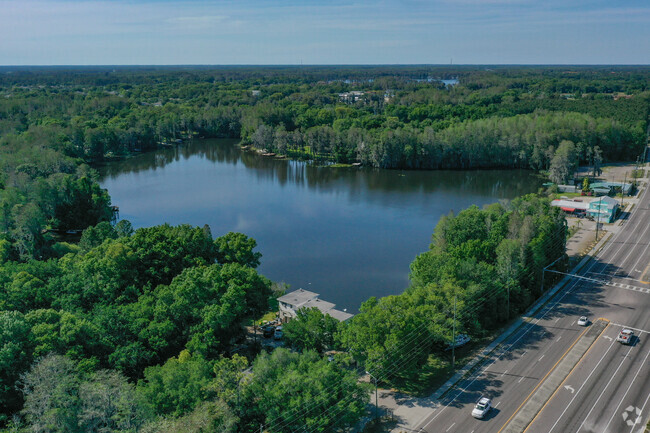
(598, 217)
(376, 395)
(508, 287)
(623, 191)
(453, 339)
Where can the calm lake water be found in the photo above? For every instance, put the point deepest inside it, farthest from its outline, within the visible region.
(346, 233)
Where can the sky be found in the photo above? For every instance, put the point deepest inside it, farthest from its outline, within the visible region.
(291, 32)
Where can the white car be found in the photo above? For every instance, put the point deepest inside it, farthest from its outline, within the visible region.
(583, 321)
(483, 406)
(625, 337)
(461, 340)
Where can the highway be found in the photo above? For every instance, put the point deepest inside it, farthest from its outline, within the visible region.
(609, 389)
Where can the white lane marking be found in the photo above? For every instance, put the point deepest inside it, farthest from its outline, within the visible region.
(632, 249)
(451, 426)
(628, 388)
(629, 327)
(540, 358)
(558, 338)
(636, 270)
(502, 374)
(524, 352)
(522, 378)
(574, 322)
(556, 320)
(641, 255)
(604, 389)
(581, 386)
(646, 402)
(497, 405)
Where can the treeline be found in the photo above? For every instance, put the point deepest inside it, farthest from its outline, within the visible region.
(135, 331)
(522, 141)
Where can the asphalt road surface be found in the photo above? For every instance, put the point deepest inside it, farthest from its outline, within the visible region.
(609, 389)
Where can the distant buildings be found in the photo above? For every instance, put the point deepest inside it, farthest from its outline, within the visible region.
(292, 302)
(350, 97)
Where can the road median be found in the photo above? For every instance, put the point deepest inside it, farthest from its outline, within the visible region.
(543, 392)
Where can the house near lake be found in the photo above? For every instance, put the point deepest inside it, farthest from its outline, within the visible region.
(290, 303)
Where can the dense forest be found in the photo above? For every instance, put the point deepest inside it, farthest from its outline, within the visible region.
(104, 328)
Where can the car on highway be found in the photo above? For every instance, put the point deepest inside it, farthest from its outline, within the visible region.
(625, 336)
(483, 406)
(583, 321)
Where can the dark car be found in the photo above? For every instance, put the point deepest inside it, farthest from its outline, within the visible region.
(268, 330)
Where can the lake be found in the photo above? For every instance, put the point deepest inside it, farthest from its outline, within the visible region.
(346, 233)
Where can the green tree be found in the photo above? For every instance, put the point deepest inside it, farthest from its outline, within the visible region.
(177, 386)
(94, 236)
(563, 163)
(50, 391)
(237, 248)
(15, 358)
(291, 391)
(311, 330)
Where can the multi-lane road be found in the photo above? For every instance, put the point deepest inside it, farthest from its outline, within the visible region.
(608, 390)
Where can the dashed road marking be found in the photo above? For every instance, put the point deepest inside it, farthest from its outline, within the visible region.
(451, 426)
(540, 358)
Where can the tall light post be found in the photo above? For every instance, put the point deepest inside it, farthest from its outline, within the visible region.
(376, 395)
(453, 339)
(598, 217)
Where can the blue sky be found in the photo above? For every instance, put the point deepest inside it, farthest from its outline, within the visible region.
(90, 32)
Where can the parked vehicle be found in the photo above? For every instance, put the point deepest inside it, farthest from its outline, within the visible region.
(268, 331)
(277, 335)
(625, 336)
(483, 406)
(583, 321)
(461, 340)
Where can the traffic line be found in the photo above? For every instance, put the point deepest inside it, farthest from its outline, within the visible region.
(628, 388)
(540, 395)
(579, 389)
(630, 327)
(541, 381)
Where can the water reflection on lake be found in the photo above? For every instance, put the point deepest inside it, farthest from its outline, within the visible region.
(346, 233)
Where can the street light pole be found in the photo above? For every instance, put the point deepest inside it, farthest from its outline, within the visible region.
(600, 202)
(623, 191)
(453, 339)
(376, 395)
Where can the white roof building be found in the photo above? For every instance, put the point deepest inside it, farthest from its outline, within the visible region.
(292, 302)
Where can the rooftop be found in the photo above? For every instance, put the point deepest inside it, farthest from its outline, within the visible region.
(298, 297)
